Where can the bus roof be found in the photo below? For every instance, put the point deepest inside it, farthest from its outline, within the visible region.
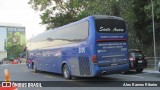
(79, 21)
(107, 17)
(87, 18)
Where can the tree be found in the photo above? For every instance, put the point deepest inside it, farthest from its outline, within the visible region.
(14, 51)
(143, 24)
(56, 13)
(61, 12)
(137, 13)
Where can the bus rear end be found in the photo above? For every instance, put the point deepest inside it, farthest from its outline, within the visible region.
(111, 45)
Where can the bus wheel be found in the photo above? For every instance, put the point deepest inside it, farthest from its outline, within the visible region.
(66, 72)
(34, 68)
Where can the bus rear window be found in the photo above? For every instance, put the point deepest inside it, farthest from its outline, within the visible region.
(110, 26)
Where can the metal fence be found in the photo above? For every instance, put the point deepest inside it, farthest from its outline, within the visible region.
(151, 62)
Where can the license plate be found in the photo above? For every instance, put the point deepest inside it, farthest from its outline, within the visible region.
(140, 61)
(114, 64)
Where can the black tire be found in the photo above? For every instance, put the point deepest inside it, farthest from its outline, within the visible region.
(159, 68)
(34, 68)
(66, 72)
(74, 77)
(123, 72)
(139, 70)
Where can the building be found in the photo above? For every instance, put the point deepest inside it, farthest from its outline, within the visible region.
(11, 35)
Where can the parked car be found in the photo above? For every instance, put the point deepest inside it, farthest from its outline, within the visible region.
(14, 61)
(137, 60)
(159, 66)
(1, 61)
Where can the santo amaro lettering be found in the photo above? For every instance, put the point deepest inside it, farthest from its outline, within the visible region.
(118, 30)
(102, 29)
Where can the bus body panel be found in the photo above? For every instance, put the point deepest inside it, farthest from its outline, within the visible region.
(51, 60)
(78, 56)
(111, 48)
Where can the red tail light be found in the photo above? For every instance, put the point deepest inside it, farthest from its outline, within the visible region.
(94, 59)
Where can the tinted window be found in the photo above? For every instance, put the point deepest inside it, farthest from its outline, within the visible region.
(136, 54)
(62, 36)
(73, 33)
(110, 26)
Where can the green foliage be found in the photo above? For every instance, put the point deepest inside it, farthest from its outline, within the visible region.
(137, 14)
(143, 25)
(16, 42)
(14, 51)
(56, 13)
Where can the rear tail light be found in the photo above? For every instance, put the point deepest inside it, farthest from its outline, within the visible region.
(94, 59)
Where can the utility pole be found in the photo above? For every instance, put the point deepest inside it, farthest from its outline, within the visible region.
(155, 58)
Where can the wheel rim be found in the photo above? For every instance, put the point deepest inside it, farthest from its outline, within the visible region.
(66, 72)
(34, 67)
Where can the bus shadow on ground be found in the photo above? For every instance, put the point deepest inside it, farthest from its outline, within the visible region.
(98, 78)
(51, 74)
(132, 72)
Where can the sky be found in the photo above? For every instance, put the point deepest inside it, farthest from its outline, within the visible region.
(20, 12)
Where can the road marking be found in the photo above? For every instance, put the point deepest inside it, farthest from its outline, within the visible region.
(147, 71)
(48, 76)
(133, 76)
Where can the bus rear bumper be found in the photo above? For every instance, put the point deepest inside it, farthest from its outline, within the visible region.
(98, 71)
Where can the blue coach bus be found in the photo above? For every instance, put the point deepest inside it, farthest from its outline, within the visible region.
(93, 46)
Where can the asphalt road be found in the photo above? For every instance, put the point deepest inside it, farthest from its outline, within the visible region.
(20, 72)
